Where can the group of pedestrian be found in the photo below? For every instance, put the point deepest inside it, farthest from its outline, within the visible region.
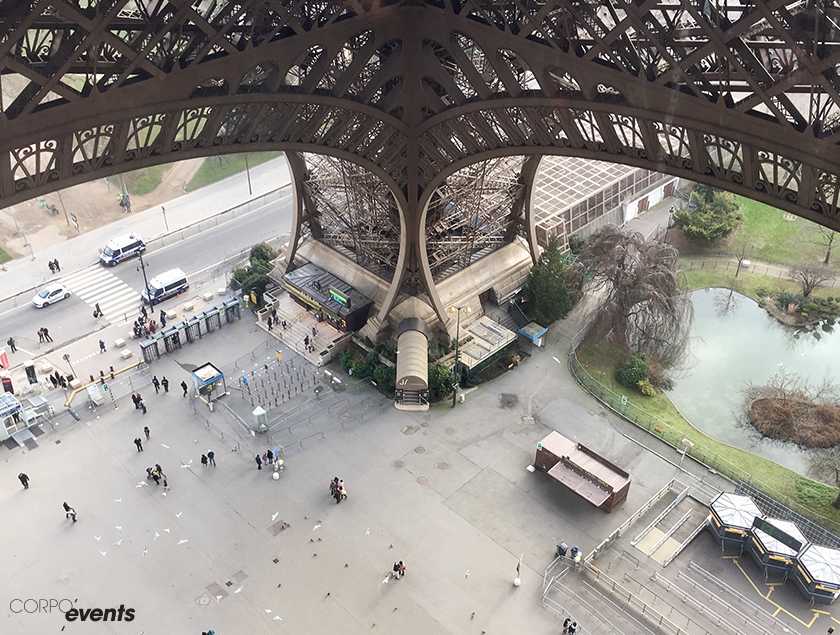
(309, 344)
(158, 383)
(58, 380)
(125, 202)
(398, 570)
(156, 474)
(44, 335)
(208, 459)
(53, 265)
(337, 490)
(268, 457)
(138, 402)
(569, 626)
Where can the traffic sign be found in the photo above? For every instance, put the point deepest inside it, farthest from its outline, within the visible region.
(105, 387)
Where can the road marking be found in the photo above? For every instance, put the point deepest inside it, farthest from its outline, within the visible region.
(97, 285)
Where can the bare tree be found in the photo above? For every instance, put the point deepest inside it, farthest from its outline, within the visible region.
(825, 238)
(741, 256)
(809, 277)
(642, 305)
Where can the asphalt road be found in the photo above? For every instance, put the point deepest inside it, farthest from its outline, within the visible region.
(117, 289)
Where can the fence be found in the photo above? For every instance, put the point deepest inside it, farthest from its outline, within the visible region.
(624, 407)
(731, 264)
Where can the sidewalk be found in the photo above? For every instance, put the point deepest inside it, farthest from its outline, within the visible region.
(25, 274)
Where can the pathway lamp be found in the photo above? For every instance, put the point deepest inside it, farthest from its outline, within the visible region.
(456, 376)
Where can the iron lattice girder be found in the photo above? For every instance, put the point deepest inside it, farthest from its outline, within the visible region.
(446, 84)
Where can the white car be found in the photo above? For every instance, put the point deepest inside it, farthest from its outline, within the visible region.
(51, 294)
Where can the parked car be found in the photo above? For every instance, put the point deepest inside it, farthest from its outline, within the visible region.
(50, 294)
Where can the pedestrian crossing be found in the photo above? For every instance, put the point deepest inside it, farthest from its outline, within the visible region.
(116, 299)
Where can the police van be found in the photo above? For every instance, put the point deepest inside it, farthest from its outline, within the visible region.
(165, 286)
(121, 248)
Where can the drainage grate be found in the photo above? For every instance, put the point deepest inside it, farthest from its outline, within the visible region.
(278, 527)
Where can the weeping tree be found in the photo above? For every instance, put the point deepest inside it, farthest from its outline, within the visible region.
(642, 307)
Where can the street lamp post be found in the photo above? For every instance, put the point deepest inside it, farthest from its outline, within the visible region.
(457, 378)
(248, 173)
(142, 268)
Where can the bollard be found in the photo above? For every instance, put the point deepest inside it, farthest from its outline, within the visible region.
(112, 372)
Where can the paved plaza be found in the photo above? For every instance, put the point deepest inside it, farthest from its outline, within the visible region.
(231, 549)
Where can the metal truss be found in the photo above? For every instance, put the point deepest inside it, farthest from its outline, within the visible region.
(741, 94)
(472, 214)
(353, 211)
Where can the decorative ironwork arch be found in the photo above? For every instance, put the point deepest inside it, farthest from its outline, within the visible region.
(745, 96)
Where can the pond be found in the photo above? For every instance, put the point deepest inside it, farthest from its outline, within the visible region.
(735, 341)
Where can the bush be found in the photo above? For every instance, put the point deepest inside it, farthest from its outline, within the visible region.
(440, 381)
(346, 359)
(656, 372)
(647, 388)
(263, 252)
(384, 376)
(576, 244)
(632, 372)
(712, 219)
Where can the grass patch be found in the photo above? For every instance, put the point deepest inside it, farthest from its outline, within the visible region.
(661, 418)
(771, 238)
(815, 493)
(747, 283)
(214, 169)
(144, 180)
(4, 256)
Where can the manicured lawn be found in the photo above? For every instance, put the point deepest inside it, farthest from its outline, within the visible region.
(217, 168)
(661, 418)
(771, 238)
(144, 180)
(747, 283)
(4, 257)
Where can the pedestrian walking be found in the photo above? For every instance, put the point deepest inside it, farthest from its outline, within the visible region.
(165, 484)
(143, 313)
(283, 324)
(53, 380)
(69, 511)
(342, 493)
(142, 406)
(11, 343)
(314, 332)
(566, 623)
(162, 318)
(269, 322)
(135, 401)
(185, 388)
(211, 456)
(306, 342)
(41, 334)
(47, 334)
(165, 383)
(24, 479)
(139, 443)
(573, 628)
(333, 486)
(259, 462)
(401, 569)
(101, 346)
(204, 460)
(51, 266)
(156, 384)
(146, 432)
(97, 312)
(159, 469)
(55, 264)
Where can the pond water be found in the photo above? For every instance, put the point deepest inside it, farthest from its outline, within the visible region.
(735, 341)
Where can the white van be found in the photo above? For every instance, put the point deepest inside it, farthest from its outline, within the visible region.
(121, 248)
(165, 286)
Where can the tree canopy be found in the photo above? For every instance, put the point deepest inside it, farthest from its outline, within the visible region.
(642, 306)
(547, 293)
(715, 216)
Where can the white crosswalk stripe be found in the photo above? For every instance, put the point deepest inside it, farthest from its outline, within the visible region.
(114, 296)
